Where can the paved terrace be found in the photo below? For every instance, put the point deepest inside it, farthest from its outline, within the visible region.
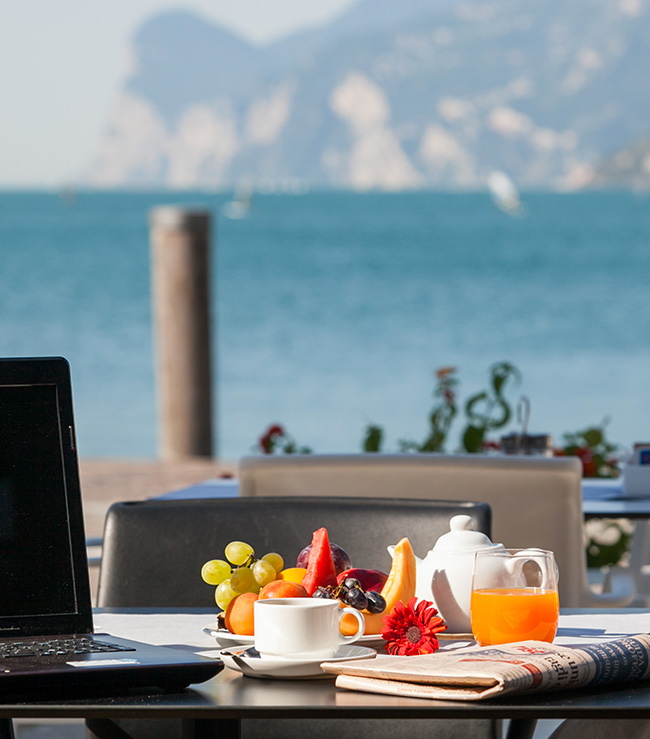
(107, 481)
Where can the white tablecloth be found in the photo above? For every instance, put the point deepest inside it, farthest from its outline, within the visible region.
(186, 629)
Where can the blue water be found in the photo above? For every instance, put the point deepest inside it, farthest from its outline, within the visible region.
(332, 310)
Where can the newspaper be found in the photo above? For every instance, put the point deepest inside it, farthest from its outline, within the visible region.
(479, 673)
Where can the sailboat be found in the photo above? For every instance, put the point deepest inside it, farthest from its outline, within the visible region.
(504, 193)
(240, 204)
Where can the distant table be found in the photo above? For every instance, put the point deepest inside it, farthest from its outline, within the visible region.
(606, 499)
(600, 498)
(219, 488)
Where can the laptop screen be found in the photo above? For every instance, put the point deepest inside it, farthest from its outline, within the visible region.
(43, 571)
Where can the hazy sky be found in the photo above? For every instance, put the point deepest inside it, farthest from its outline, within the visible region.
(61, 63)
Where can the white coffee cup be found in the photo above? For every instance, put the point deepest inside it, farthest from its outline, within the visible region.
(302, 628)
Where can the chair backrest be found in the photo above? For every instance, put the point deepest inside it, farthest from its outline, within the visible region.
(153, 550)
(535, 501)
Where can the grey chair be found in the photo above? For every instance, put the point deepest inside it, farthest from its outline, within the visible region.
(153, 552)
(173, 538)
(535, 501)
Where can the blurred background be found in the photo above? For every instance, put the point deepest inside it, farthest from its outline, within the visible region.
(394, 188)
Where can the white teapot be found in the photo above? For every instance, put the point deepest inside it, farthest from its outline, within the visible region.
(445, 574)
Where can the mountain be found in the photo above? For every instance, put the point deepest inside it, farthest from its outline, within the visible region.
(628, 168)
(387, 96)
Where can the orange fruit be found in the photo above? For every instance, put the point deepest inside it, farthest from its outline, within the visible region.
(283, 589)
(239, 614)
(292, 574)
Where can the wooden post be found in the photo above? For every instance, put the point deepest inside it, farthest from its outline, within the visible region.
(180, 263)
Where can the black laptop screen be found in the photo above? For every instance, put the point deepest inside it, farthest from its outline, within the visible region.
(36, 570)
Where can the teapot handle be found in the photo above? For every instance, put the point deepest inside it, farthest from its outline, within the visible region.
(516, 565)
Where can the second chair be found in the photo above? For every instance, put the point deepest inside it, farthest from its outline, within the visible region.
(535, 501)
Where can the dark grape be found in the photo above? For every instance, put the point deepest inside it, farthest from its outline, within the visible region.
(356, 598)
(376, 602)
(351, 582)
(321, 593)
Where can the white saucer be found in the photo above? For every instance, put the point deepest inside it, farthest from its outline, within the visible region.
(250, 662)
(226, 639)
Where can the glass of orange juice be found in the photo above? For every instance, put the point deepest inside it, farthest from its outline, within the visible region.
(514, 596)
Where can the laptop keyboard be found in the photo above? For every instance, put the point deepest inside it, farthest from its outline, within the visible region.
(49, 647)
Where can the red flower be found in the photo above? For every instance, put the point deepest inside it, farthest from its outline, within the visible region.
(412, 629)
(266, 444)
(268, 441)
(589, 466)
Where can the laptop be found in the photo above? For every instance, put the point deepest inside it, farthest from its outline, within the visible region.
(46, 621)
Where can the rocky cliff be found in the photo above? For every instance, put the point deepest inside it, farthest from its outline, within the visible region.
(389, 95)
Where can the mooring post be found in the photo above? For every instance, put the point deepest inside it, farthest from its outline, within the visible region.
(180, 268)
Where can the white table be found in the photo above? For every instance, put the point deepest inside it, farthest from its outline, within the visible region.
(219, 704)
(167, 627)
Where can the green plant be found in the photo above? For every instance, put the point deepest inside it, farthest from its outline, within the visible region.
(607, 541)
(441, 416)
(594, 450)
(275, 440)
(486, 411)
(373, 439)
(489, 410)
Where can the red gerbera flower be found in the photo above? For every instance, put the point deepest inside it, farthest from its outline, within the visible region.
(411, 629)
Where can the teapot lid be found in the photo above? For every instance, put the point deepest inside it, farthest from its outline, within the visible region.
(462, 536)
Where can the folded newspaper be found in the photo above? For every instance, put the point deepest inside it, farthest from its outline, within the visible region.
(478, 673)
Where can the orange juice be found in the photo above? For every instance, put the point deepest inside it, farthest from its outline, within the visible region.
(503, 615)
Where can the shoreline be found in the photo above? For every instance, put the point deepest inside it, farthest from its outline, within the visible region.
(107, 481)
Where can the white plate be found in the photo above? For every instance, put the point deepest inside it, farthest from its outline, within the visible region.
(250, 662)
(226, 639)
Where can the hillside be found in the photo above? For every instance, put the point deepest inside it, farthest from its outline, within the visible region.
(387, 96)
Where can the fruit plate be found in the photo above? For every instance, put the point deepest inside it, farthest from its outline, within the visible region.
(226, 639)
(250, 662)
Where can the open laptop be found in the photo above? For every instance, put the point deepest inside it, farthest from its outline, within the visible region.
(46, 621)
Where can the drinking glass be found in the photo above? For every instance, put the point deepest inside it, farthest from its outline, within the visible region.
(514, 596)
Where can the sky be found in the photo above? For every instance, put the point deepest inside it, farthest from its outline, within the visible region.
(62, 63)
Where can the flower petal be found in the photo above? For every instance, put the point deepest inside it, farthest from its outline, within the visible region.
(410, 629)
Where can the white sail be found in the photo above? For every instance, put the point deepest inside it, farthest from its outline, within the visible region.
(240, 204)
(504, 193)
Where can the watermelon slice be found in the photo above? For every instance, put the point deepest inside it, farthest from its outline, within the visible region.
(320, 565)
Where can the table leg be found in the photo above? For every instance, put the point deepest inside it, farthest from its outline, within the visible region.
(521, 728)
(202, 728)
(6, 728)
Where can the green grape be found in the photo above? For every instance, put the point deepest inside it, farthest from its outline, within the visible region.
(275, 560)
(238, 552)
(242, 579)
(263, 572)
(255, 588)
(215, 571)
(224, 594)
